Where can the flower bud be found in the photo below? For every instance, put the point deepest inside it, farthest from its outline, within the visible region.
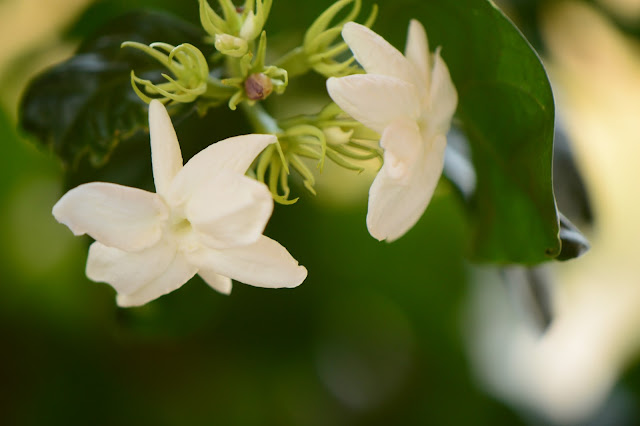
(258, 86)
(231, 45)
(336, 136)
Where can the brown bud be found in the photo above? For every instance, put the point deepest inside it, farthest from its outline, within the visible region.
(258, 86)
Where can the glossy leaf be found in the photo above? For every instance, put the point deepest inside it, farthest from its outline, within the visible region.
(85, 106)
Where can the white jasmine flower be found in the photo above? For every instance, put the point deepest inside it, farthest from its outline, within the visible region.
(206, 218)
(410, 101)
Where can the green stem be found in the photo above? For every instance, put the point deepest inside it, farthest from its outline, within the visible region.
(260, 119)
(217, 90)
(295, 121)
(233, 67)
(295, 62)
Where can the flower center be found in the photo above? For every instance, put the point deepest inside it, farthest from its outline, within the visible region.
(181, 226)
(181, 232)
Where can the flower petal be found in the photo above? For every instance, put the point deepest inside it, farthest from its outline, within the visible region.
(376, 55)
(417, 52)
(127, 272)
(398, 200)
(172, 278)
(233, 154)
(118, 216)
(403, 146)
(264, 263)
(229, 210)
(165, 149)
(374, 100)
(443, 98)
(216, 281)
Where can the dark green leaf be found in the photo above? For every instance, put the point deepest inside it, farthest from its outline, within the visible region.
(85, 105)
(130, 162)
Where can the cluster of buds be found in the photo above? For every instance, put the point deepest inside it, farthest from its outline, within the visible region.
(323, 49)
(188, 66)
(238, 35)
(329, 134)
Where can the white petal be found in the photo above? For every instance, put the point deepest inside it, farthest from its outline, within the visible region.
(403, 147)
(229, 210)
(397, 201)
(264, 263)
(174, 276)
(417, 51)
(216, 281)
(165, 149)
(125, 271)
(376, 55)
(118, 216)
(233, 154)
(374, 100)
(443, 98)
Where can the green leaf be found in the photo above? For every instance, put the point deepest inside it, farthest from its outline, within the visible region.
(85, 106)
(459, 171)
(507, 112)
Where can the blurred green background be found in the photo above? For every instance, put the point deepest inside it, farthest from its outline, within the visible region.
(373, 337)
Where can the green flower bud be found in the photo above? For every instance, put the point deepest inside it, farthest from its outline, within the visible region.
(336, 135)
(231, 45)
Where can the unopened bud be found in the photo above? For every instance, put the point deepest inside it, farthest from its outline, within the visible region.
(230, 45)
(335, 135)
(258, 86)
